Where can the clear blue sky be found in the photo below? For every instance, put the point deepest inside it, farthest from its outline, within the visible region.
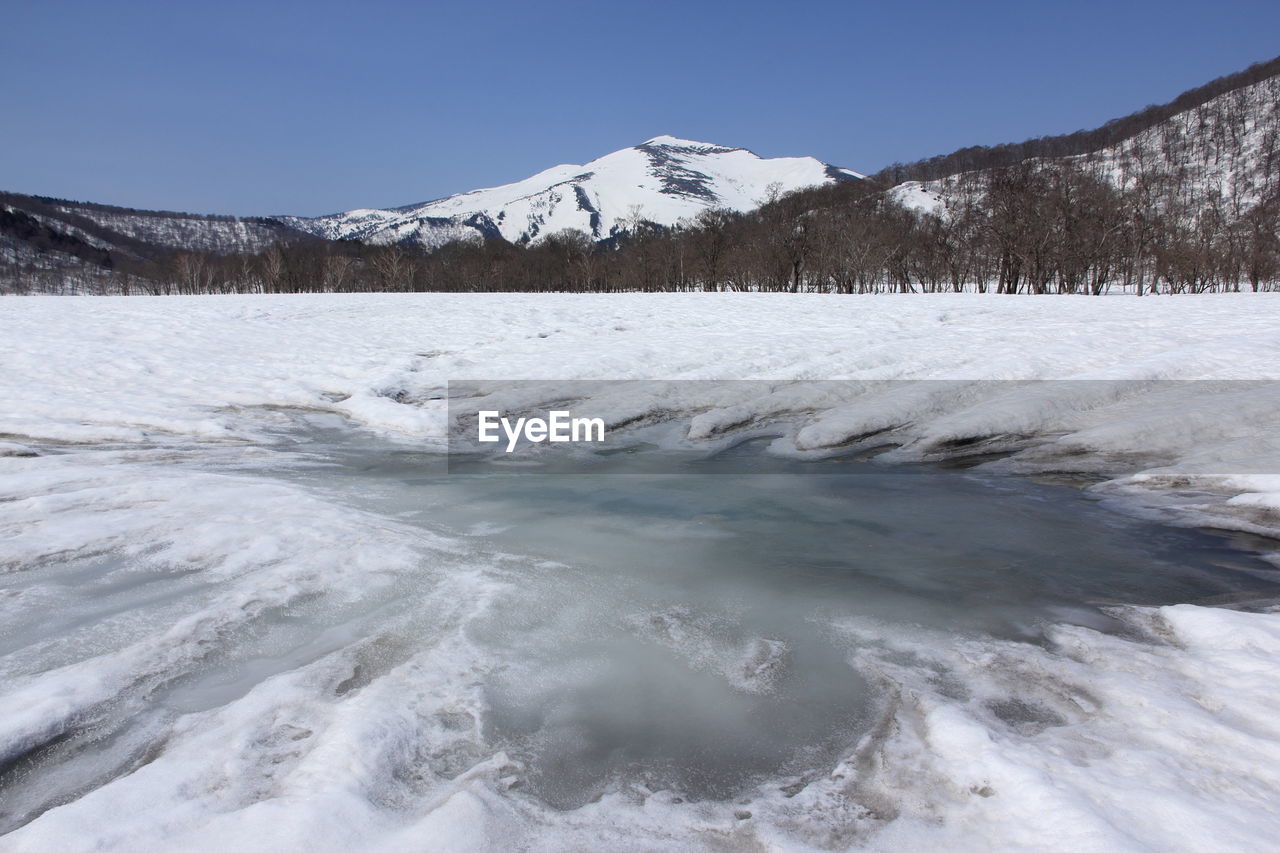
(308, 108)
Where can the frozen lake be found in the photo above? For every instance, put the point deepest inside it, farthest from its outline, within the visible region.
(221, 628)
(682, 632)
(676, 628)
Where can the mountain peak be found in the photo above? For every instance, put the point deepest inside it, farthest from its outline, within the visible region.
(663, 180)
(677, 142)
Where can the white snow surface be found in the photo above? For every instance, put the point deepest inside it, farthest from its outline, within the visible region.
(1170, 739)
(918, 196)
(662, 180)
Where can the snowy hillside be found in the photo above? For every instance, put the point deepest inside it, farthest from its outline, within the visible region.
(1224, 153)
(220, 235)
(661, 181)
(1218, 158)
(127, 233)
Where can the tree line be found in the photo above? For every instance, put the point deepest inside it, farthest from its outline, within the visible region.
(1036, 227)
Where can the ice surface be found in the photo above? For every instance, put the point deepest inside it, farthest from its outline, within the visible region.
(221, 632)
(710, 644)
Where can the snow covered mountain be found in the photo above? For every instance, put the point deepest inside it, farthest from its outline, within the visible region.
(660, 181)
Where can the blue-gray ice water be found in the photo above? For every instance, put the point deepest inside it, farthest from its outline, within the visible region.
(673, 629)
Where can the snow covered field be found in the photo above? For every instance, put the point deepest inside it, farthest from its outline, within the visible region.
(156, 542)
